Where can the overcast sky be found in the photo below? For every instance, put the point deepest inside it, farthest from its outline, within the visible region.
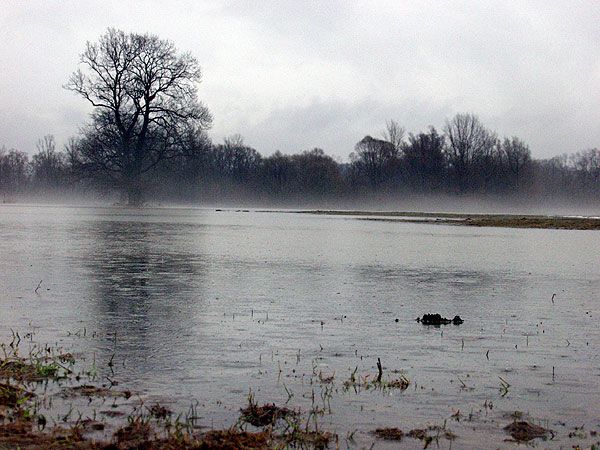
(292, 75)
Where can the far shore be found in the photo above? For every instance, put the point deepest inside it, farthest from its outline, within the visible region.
(474, 220)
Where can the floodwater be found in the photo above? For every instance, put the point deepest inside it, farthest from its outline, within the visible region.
(199, 306)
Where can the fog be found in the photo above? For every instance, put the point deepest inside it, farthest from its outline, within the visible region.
(399, 171)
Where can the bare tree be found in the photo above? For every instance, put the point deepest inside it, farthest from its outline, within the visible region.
(317, 175)
(276, 172)
(48, 166)
(587, 169)
(394, 134)
(14, 172)
(469, 142)
(235, 140)
(424, 159)
(376, 158)
(144, 95)
(518, 158)
(235, 159)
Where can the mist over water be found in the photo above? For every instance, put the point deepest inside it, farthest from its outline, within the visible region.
(209, 304)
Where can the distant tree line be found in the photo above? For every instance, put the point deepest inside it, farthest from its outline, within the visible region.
(464, 158)
(47, 171)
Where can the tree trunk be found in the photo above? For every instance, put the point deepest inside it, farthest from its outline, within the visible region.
(135, 195)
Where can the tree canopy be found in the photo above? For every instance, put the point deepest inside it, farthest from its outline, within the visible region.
(144, 95)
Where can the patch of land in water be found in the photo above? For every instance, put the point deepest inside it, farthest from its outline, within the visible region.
(474, 220)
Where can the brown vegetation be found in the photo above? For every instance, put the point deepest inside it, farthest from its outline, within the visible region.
(21, 434)
(261, 416)
(11, 395)
(430, 434)
(390, 434)
(524, 431)
(94, 391)
(308, 439)
(136, 435)
(235, 439)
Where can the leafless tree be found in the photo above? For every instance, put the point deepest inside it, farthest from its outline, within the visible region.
(394, 134)
(144, 95)
(376, 158)
(48, 166)
(235, 159)
(424, 160)
(468, 143)
(317, 174)
(587, 169)
(518, 158)
(14, 172)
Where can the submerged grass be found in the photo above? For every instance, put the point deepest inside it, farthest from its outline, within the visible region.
(23, 426)
(260, 416)
(87, 390)
(389, 434)
(316, 439)
(42, 363)
(21, 434)
(366, 382)
(431, 434)
(234, 439)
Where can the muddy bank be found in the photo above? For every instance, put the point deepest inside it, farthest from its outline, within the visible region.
(476, 220)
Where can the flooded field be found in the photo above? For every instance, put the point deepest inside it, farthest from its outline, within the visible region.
(194, 309)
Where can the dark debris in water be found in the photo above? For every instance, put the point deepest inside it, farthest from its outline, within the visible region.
(437, 320)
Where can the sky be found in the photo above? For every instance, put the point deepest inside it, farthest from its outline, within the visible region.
(292, 75)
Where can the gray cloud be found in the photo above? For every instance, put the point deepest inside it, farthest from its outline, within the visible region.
(292, 75)
(333, 125)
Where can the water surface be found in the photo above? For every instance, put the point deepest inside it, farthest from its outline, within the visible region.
(203, 305)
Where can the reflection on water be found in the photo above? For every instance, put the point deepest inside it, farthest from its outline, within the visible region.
(203, 304)
(141, 282)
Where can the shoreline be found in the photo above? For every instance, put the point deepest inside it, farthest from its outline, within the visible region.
(464, 219)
